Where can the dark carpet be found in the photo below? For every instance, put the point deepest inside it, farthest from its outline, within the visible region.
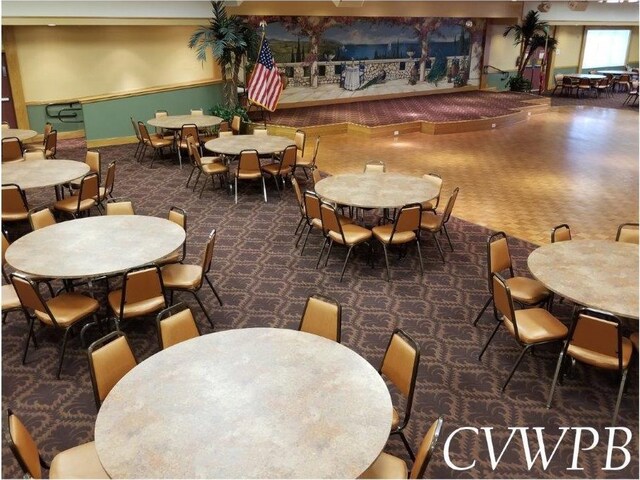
(264, 281)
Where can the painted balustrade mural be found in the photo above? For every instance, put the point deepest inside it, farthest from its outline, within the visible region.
(323, 58)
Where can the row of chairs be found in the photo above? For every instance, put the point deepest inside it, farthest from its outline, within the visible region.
(13, 150)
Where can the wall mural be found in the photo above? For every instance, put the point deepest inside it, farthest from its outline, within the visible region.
(323, 58)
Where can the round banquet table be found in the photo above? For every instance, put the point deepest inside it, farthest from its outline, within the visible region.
(596, 273)
(376, 190)
(94, 246)
(175, 122)
(19, 133)
(246, 403)
(590, 76)
(264, 144)
(43, 173)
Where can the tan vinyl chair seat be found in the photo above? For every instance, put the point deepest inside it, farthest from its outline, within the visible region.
(207, 160)
(430, 221)
(78, 462)
(160, 142)
(386, 466)
(249, 175)
(601, 360)
(68, 308)
(10, 300)
(353, 234)
(537, 325)
(274, 169)
(177, 275)
(14, 216)
(383, 233)
(136, 309)
(70, 204)
(216, 168)
(527, 290)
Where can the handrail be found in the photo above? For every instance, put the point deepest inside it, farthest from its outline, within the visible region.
(67, 114)
(486, 68)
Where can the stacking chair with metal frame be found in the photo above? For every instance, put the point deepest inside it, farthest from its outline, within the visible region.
(236, 124)
(248, 169)
(140, 144)
(77, 462)
(61, 312)
(400, 365)
(300, 201)
(530, 327)
(84, 201)
(628, 233)
(433, 223)
(162, 132)
(92, 159)
(595, 338)
(179, 277)
(622, 81)
(300, 139)
(584, 85)
(40, 146)
(33, 155)
(156, 143)
(525, 291)
(12, 150)
(281, 169)
(40, 217)
(10, 300)
(178, 216)
(322, 316)
(568, 85)
(105, 192)
(390, 466)
(432, 204)
(557, 78)
(188, 130)
(308, 165)
(120, 206)
(110, 359)
(344, 233)
(214, 167)
(176, 324)
(142, 294)
(51, 144)
(405, 229)
(561, 233)
(14, 203)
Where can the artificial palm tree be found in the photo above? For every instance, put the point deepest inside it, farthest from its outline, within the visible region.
(531, 34)
(229, 38)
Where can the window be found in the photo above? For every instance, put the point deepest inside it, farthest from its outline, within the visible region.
(606, 48)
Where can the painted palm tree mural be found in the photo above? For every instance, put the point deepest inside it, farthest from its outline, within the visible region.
(352, 56)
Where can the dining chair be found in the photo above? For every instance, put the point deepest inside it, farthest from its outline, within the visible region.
(40, 217)
(632, 94)
(300, 139)
(120, 206)
(248, 168)
(77, 462)
(29, 155)
(187, 130)
(178, 216)
(106, 191)
(557, 78)
(14, 203)
(405, 229)
(316, 176)
(525, 291)
(561, 233)
(390, 466)
(627, 232)
(603, 85)
(214, 167)
(176, 324)
(569, 84)
(595, 338)
(300, 202)
(142, 294)
(623, 82)
(336, 230)
(283, 168)
(197, 112)
(92, 159)
(433, 204)
(584, 86)
(162, 132)
(51, 144)
(224, 127)
(158, 144)
(530, 327)
(236, 124)
(313, 217)
(84, 200)
(308, 165)
(322, 316)
(400, 366)
(12, 150)
(110, 359)
(375, 167)
(10, 300)
(179, 277)
(40, 145)
(433, 223)
(62, 312)
(140, 144)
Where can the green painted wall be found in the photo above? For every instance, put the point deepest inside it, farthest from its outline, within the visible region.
(497, 80)
(38, 117)
(110, 118)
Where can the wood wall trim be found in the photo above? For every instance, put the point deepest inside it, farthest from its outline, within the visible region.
(15, 77)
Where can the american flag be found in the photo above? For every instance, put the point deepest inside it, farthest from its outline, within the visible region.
(265, 85)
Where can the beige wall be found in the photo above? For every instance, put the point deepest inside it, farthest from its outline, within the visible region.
(500, 51)
(569, 46)
(68, 62)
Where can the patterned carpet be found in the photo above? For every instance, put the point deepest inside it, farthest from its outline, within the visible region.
(264, 281)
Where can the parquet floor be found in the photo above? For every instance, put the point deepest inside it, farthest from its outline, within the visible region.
(575, 165)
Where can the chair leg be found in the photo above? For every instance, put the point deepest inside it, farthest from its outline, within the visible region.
(264, 189)
(406, 444)
(513, 370)
(324, 244)
(304, 226)
(495, 330)
(190, 175)
(475, 322)
(298, 227)
(444, 227)
(345, 261)
(623, 380)
(26, 343)
(326, 260)
(213, 289)
(305, 240)
(419, 256)
(555, 377)
(438, 245)
(204, 310)
(235, 189)
(62, 350)
(386, 259)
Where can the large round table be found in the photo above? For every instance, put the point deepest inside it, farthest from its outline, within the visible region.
(376, 190)
(20, 133)
(94, 246)
(175, 122)
(596, 273)
(43, 173)
(246, 403)
(264, 144)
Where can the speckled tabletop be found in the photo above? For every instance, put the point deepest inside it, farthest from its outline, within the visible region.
(595, 273)
(20, 133)
(94, 246)
(246, 403)
(376, 190)
(264, 144)
(175, 122)
(43, 173)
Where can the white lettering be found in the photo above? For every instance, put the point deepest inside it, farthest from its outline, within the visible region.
(611, 446)
(492, 455)
(576, 445)
(447, 460)
(541, 450)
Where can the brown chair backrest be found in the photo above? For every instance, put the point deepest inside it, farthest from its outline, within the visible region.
(503, 302)
(322, 316)
(110, 358)
(561, 233)
(375, 167)
(93, 160)
(28, 293)
(312, 205)
(628, 233)
(190, 130)
(110, 179)
(249, 162)
(567, 81)
(41, 217)
(47, 130)
(407, 219)
(11, 149)
(197, 112)
(436, 180)
(51, 142)
(23, 446)
(236, 123)
(194, 152)
(141, 283)
(316, 149)
(135, 129)
(5, 245)
(498, 256)
(224, 127)
(178, 216)
(300, 139)
(89, 188)
(14, 201)
(585, 82)
(288, 157)
(144, 133)
(120, 206)
(425, 451)
(296, 189)
(330, 220)
(176, 324)
(208, 252)
(446, 215)
(596, 331)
